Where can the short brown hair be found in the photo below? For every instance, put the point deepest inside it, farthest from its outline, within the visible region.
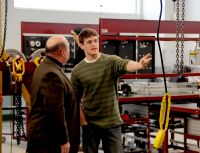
(86, 33)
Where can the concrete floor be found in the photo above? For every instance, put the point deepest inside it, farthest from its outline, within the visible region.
(10, 145)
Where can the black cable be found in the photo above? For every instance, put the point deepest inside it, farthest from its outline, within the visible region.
(158, 40)
(163, 69)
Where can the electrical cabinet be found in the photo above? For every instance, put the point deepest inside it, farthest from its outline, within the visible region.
(124, 49)
(127, 49)
(32, 43)
(109, 47)
(144, 47)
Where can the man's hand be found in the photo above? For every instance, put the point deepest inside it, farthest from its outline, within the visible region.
(65, 148)
(145, 60)
(135, 66)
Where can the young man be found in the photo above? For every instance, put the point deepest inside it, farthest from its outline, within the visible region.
(54, 116)
(95, 81)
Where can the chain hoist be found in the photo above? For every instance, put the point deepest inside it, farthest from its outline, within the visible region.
(166, 100)
(20, 132)
(18, 69)
(180, 36)
(3, 36)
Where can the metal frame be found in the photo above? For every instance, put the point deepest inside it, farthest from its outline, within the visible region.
(112, 29)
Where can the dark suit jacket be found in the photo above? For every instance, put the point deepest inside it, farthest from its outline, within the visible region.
(54, 115)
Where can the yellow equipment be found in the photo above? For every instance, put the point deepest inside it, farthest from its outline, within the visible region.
(163, 120)
(38, 60)
(18, 68)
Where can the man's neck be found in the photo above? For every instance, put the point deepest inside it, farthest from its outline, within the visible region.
(55, 58)
(93, 58)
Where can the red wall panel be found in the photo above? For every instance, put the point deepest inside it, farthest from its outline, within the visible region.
(52, 28)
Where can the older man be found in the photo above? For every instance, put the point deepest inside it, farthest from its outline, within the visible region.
(54, 115)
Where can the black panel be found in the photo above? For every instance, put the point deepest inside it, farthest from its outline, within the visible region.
(109, 47)
(44, 40)
(31, 44)
(145, 47)
(127, 49)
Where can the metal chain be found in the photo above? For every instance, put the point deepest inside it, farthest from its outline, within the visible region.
(20, 132)
(182, 37)
(5, 28)
(177, 36)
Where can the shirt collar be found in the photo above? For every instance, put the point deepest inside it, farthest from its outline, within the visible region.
(55, 61)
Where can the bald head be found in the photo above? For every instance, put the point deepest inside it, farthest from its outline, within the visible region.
(56, 43)
(58, 48)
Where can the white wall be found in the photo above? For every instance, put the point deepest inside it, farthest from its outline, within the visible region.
(150, 10)
(16, 16)
(191, 14)
(169, 48)
(192, 10)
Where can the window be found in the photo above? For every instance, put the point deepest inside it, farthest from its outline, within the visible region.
(101, 6)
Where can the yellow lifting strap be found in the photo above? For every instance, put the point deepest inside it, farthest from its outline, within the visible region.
(163, 120)
(38, 60)
(18, 68)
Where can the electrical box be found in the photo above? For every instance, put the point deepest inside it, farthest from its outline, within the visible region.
(33, 42)
(143, 48)
(127, 50)
(109, 47)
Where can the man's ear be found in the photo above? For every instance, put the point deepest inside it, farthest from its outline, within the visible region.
(61, 52)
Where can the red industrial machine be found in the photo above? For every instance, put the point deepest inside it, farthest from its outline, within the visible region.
(132, 27)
